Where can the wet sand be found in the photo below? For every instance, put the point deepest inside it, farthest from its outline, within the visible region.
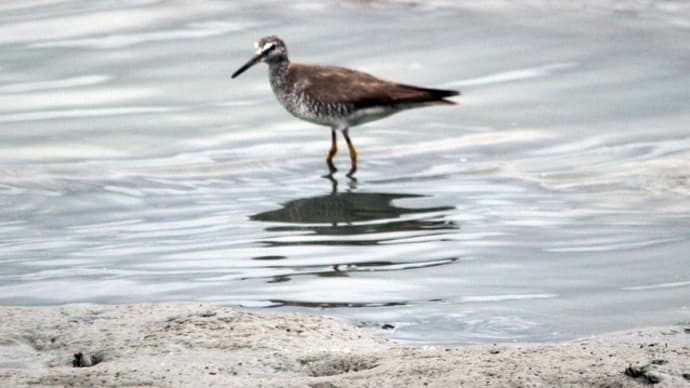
(197, 345)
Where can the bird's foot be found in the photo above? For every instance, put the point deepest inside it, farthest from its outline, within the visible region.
(352, 184)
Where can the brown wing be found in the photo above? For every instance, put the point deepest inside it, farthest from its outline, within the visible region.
(331, 84)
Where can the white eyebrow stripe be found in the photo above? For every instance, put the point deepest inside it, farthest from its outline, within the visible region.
(266, 47)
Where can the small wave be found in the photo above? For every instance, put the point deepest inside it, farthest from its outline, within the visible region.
(657, 286)
(516, 75)
(79, 113)
(194, 31)
(612, 246)
(506, 297)
(24, 87)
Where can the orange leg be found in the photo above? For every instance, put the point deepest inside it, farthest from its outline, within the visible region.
(353, 153)
(332, 152)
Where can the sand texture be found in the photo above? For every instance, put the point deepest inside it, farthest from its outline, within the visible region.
(170, 345)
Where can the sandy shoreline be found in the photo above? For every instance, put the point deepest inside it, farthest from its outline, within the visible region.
(195, 345)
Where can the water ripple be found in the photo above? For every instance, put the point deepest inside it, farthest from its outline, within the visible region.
(657, 286)
(24, 87)
(516, 75)
(193, 31)
(81, 113)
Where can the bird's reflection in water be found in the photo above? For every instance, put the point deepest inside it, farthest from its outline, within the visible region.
(352, 213)
(344, 270)
(351, 219)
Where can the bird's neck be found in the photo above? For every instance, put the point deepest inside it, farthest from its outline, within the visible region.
(277, 72)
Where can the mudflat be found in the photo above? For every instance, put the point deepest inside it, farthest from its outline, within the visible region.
(171, 345)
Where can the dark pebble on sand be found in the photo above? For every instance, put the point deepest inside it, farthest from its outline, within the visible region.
(81, 360)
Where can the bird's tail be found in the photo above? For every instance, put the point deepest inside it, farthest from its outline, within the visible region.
(441, 101)
(432, 96)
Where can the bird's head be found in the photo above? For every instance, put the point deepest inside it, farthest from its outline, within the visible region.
(269, 49)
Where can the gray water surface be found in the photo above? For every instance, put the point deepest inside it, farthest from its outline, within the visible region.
(553, 202)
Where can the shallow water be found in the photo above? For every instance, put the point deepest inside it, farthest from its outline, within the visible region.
(554, 202)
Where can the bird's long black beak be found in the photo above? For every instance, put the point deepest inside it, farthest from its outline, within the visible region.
(255, 59)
